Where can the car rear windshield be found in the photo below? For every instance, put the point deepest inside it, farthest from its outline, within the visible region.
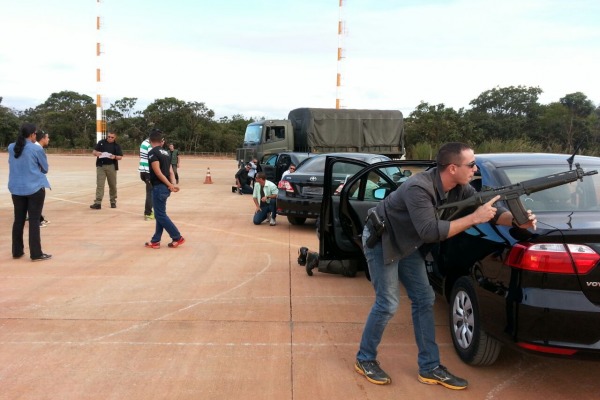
(576, 196)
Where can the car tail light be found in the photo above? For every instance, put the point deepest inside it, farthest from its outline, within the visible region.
(553, 258)
(285, 185)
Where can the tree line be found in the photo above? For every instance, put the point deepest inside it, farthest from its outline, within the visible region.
(499, 120)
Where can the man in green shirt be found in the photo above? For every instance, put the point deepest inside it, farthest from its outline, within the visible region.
(265, 198)
(174, 161)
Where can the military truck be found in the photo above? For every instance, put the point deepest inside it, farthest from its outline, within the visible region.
(325, 130)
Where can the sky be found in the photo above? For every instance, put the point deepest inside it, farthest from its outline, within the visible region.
(263, 58)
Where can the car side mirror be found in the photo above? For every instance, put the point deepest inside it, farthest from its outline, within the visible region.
(380, 194)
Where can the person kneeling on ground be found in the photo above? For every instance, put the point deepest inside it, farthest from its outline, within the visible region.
(242, 181)
(265, 199)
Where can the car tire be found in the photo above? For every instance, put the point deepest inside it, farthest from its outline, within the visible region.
(471, 343)
(296, 220)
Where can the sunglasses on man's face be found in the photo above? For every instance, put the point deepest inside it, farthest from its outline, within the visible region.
(469, 165)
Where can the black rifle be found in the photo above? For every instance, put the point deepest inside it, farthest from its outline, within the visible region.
(511, 194)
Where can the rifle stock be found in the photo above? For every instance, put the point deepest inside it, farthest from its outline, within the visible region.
(512, 193)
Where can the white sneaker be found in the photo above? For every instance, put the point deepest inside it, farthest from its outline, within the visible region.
(272, 222)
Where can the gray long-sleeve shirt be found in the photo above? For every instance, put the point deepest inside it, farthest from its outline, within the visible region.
(410, 214)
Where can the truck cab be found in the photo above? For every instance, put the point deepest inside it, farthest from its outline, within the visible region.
(266, 137)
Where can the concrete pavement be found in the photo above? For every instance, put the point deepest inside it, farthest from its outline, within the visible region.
(228, 315)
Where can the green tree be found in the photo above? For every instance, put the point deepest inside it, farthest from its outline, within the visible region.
(579, 109)
(434, 124)
(185, 123)
(69, 117)
(128, 123)
(9, 125)
(506, 113)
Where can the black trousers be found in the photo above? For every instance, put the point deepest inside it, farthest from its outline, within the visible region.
(32, 205)
(145, 177)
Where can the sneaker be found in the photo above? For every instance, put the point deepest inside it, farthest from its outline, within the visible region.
(113, 205)
(240, 191)
(43, 224)
(372, 371)
(15, 256)
(177, 243)
(149, 217)
(152, 245)
(95, 206)
(43, 257)
(441, 375)
(272, 222)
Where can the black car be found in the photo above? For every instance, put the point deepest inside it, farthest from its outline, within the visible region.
(274, 165)
(537, 291)
(300, 193)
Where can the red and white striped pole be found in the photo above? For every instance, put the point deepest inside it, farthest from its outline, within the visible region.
(341, 30)
(100, 124)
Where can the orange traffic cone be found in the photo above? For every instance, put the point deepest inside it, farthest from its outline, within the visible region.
(208, 179)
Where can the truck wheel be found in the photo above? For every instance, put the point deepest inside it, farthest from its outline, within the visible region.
(471, 343)
(296, 220)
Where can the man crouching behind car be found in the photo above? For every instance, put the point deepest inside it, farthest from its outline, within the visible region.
(410, 220)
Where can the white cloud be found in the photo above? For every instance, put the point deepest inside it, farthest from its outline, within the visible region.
(266, 57)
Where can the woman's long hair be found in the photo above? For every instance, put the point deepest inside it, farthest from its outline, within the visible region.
(26, 130)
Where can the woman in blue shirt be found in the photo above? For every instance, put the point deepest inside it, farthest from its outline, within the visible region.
(27, 184)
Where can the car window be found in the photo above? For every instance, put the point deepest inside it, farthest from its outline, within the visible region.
(380, 182)
(271, 160)
(284, 160)
(315, 164)
(575, 196)
(300, 158)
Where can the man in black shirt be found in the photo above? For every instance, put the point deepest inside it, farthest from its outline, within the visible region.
(242, 180)
(108, 153)
(162, 178)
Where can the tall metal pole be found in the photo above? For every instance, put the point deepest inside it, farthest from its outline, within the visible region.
(341, 31)
(100, 121)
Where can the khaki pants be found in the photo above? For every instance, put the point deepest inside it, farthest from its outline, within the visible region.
(103, 174)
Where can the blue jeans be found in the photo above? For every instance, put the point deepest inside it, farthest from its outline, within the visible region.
(160, 194)
(265, 209)
(386, 281)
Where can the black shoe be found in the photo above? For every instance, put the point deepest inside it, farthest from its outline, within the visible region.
(95, 206)
(302, 253)
(441, 375)
(18, 255)
(43, 257)
(113, 205)
(372, 371)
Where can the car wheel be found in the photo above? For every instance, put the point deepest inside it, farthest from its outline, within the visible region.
(296, 220)
(471, 343)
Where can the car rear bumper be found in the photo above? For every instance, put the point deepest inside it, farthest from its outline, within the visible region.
(540, 320)
(298, 207)
(558, 318)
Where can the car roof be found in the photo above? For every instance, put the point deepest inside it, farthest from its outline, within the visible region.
(500, 160)
(360, 156)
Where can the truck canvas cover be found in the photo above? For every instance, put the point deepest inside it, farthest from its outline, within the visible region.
(370, 131)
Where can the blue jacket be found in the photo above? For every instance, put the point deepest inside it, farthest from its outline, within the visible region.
(27, 174)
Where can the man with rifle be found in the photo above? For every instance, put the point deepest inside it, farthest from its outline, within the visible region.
(411, 220)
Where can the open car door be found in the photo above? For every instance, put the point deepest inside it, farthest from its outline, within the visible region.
(344, 207)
